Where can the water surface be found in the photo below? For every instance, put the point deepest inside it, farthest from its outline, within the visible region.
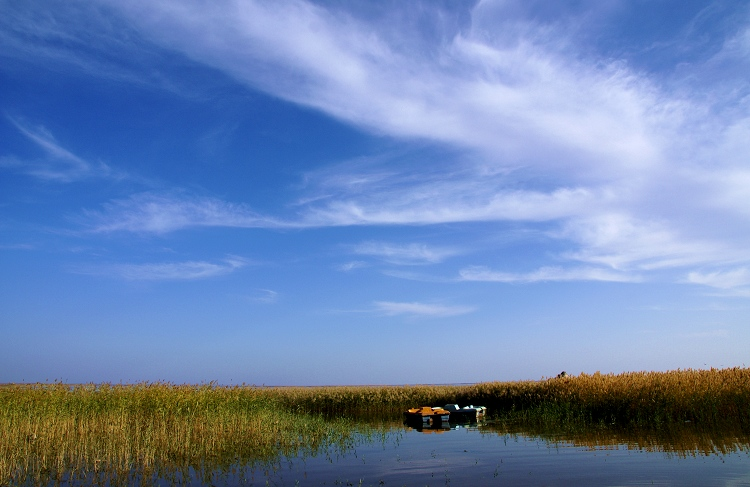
(396, 454)
(492, 455)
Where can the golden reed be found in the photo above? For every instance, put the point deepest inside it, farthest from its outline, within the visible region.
(54, 432)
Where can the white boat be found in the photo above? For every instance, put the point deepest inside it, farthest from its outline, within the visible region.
(466, 413)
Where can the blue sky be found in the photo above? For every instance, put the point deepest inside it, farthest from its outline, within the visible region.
(395, 192)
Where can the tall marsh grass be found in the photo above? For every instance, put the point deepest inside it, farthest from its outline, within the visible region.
(57, 432)
(634, 398)
(51, 433)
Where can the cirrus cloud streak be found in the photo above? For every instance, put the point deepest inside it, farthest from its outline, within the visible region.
(169, 271)
(632, 170)
(392, 308)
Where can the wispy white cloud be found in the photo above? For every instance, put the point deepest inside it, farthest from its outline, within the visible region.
(391, 308)
(265, 296)
(59, 164)
(171, 271)
(85, 37)
(418, 276)
(491, 97)
(350, 266)
(448, 203)
(726, 279)
(164, 213)
(623, 242)
(408, 254)
(630, 170)
(515, 94)
(544, 274)
(17, 246)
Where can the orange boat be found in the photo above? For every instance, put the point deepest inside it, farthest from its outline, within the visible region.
(427, 414)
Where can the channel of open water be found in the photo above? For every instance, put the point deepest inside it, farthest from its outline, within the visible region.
(487, 454)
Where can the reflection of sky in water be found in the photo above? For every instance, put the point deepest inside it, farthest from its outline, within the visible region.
(467, 457)
(393, 454)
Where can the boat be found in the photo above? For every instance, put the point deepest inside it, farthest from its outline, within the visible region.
(466, 413)
(427, 414)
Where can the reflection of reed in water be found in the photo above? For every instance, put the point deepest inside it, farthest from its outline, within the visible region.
(681, 440)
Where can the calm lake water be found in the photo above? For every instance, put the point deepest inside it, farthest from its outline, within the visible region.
(490, 455)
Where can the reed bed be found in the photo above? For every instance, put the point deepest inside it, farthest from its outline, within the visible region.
(634, 398)
(113, 434)
(57, 432)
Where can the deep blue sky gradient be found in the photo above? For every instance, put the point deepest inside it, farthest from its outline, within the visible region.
(372, 192)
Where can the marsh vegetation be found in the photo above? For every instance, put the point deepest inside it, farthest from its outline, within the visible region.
(107, 433)
(630, 399)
